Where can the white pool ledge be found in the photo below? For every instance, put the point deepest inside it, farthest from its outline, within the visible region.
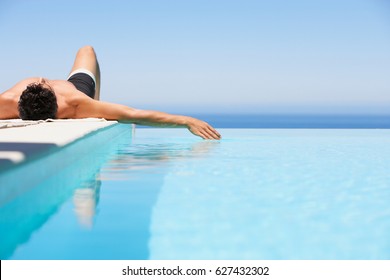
(21, 143)
(59, 132)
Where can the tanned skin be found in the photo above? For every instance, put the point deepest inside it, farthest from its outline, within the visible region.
(74, 104)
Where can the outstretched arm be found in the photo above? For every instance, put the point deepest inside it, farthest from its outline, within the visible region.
(155, 118)
(126, 114)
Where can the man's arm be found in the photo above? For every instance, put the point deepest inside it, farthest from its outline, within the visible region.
(124, 114)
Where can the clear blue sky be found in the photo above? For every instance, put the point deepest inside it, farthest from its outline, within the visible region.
(325, 56)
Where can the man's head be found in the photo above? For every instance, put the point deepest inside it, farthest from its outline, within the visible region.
(38, 102)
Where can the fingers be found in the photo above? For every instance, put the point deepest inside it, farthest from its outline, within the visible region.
(204, 130)
(202, 133)
(213, 132)
(210, 133)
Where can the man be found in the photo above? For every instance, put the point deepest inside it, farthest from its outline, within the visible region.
(78, 97)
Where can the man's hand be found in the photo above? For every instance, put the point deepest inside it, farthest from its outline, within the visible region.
(202, 129)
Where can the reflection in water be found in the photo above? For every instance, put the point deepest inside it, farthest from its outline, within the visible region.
(142, 156)
(136, 168)
(85, 200)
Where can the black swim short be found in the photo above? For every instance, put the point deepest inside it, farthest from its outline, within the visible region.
(84, 81)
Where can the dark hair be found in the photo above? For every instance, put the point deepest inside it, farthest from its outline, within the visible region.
(37, 103)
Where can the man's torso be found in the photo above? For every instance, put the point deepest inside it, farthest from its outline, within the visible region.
(68, 98)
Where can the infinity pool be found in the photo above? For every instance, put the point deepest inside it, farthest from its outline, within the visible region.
(256, 194)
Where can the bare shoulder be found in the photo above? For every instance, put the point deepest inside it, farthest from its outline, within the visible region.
(87, 107)
(9, 105)
(7, 98)
(12, 95)
(65, 90)
(69, 99)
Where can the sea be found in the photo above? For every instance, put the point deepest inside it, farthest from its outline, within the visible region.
(342, 121)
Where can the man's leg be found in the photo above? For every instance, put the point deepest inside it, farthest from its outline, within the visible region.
(86, 58)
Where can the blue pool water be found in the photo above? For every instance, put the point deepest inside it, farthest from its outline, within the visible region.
(256, 194)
